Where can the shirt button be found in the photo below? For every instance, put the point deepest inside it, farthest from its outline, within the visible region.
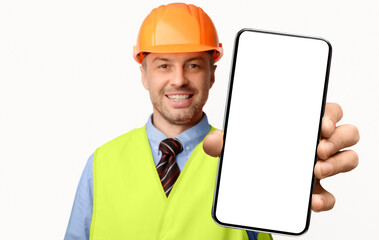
(187, 148)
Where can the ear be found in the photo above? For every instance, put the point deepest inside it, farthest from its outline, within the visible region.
(213, 76)
(144, 78)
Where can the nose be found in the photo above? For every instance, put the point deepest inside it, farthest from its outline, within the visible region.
(179, 78)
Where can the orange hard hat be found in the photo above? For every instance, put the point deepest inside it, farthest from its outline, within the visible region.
(177, 27)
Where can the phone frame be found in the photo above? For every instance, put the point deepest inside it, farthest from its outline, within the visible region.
(225, 129)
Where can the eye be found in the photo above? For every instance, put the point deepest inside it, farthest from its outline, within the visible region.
(163, 66)
(192, 65)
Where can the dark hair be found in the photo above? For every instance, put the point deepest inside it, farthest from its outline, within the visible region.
(143, 60)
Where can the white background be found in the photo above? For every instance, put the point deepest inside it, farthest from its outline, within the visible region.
(68, 84)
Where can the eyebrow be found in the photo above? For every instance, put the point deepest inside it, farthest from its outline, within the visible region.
(195, 58)
(160, 59)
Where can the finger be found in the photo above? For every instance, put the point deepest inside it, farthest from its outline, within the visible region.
(333, 114)
(344, 136)
(322, 200)
(213, 143)
(341, 162)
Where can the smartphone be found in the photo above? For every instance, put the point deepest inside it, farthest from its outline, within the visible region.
(275, 104)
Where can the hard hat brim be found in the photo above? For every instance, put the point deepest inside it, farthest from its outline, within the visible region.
(178, 48)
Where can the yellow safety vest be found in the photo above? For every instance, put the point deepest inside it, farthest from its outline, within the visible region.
(129, 201)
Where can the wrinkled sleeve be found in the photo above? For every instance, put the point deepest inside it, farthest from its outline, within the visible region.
(81, 213)
(252, 235)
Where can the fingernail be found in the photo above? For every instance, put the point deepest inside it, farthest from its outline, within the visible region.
(330, 123)
(329, 147)
(326, 169)
(321, 205)
(328, 120)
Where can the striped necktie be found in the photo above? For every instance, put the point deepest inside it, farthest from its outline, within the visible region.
(167, 167)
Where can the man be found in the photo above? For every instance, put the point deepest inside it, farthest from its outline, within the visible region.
(156, 182)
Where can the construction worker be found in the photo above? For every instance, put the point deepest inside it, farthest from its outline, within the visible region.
(156, 182)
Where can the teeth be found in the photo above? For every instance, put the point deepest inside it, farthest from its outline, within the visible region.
(178, 97)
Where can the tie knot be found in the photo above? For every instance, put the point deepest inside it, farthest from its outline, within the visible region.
(171, 146)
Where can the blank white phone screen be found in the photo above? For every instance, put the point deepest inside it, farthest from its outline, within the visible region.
(275, 109)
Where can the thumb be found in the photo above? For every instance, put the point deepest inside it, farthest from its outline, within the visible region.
(213, 143)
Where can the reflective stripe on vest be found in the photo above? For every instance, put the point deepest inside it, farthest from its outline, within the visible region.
(129, 201)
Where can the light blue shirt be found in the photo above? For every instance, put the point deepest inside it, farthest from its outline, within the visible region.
(81, 214)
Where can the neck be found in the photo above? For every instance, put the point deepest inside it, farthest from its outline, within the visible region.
(172, 130)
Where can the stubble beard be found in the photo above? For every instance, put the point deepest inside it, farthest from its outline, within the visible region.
(191, 116)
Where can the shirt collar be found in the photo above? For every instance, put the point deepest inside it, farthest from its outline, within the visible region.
(189, 138)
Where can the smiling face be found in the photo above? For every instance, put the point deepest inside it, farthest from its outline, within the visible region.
(178, 84)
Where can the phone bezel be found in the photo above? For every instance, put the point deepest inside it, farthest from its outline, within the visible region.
(225, 124)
